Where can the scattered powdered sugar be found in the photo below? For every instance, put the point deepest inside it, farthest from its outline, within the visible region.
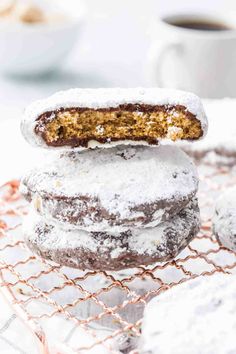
(224, 220)
(120, 178)
(196, 317)
(108, 98)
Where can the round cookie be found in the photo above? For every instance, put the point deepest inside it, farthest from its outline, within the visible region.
(89, 118)
(224, 220)
(113, 189)
(112, 251)
(196, 317)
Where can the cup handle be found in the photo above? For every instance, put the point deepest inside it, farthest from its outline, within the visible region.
(156, 58)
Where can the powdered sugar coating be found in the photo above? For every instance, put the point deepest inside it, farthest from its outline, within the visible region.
(123, 187)
(107, 98)
(196, 317)
(114, 250)
(224, 220)
(219, 146)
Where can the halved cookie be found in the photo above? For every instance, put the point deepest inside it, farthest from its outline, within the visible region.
(87, 118)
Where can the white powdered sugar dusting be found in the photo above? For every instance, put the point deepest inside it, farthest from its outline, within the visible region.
(219, 146)
(137, 175)
(59, 237)
(121, 178)
(108, 98)
(224, 220)
(150, 241)
(196, 317)
(145, 241)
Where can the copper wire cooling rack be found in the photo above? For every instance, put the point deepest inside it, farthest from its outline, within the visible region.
(100, 312)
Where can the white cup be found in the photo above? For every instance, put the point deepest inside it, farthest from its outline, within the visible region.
(201, 61)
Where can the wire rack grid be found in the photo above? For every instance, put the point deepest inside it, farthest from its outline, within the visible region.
(100, 312)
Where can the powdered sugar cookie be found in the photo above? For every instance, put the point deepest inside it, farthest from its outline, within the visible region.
(113, 189)
(196, 317)
(114, 250)
(224, 220)
(88, 118)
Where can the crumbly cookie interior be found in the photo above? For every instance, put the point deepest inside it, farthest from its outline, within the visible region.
(120, 125)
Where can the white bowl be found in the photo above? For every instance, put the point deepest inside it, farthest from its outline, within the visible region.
(33, 49)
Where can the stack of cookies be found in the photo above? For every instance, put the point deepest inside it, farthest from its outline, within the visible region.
(116, 195)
